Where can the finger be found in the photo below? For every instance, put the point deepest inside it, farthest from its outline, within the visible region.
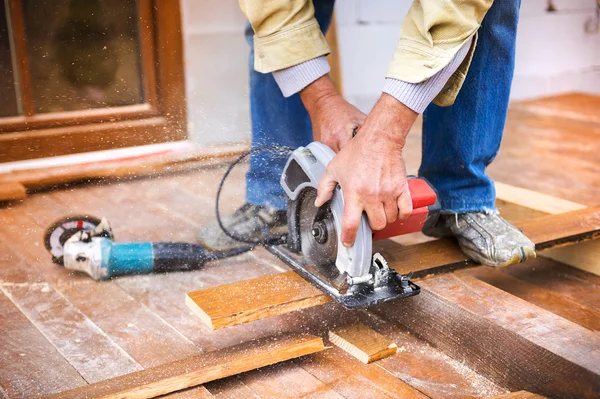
(391, 211)
(405, 207)
(325, 188)
(376, 216)
(350, 221)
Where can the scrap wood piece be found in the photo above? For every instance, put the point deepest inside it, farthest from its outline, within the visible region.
(518, 395)
(363, 343)
(196, 370)
(10, 191)
(510, 341)
(263, 297)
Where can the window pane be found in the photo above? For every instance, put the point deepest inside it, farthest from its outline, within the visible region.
(83, 53)
(8, 95)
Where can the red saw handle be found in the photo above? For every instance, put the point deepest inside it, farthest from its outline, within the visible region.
(426, 209)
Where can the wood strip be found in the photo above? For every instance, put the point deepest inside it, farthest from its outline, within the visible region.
(586, 316)
(200, 369)
(519, 395)
(584, 256)
(501, 336)
(10, 191)
(534, 200)
(362, 342)
(30, 366)
(255, 299)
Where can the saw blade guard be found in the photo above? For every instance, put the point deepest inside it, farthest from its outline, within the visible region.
(304, 169)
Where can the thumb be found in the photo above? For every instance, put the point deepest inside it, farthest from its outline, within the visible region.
(325, 189)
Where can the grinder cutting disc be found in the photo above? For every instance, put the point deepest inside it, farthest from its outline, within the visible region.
(317, 233)
(59, 232)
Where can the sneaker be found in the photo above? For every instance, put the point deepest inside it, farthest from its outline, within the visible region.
(486, 238)
(251, 222)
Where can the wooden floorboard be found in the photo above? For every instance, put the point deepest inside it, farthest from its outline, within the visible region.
(29, 364)
(514, 343)
(584, 315)
(193, 371)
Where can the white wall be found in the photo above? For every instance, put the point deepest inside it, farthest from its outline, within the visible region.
(554, 55)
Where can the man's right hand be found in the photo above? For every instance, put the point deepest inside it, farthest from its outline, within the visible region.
(333, 118)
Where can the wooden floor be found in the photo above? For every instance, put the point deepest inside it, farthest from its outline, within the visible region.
(60, 330)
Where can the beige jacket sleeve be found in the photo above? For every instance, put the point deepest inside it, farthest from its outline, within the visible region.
(287, 34)
(431, 35)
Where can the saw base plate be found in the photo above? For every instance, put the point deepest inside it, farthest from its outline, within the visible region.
(358, 298)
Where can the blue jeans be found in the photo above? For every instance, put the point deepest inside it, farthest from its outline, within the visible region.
(459, 141)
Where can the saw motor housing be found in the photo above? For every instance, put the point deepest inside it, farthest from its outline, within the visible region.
(368, 279)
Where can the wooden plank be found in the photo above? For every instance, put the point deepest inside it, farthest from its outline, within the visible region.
(197, 370)
(87, 348)
(362, 342)
(584, 256)
(10, 191)
(512, 342)
(275, 294)
(586, 316)
(428, 369)
(519, 395)
(352, 379)
(30, 366)
(229, 305)
(569, 282)
(533, 200)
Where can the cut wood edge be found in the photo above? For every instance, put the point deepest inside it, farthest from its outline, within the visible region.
(197, 370)
(363, 343)
(583, 256)
(11, 191)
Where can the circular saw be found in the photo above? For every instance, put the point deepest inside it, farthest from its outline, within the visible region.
(353, 276)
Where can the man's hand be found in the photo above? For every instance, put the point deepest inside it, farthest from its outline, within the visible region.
(333, 118)
(371, 171)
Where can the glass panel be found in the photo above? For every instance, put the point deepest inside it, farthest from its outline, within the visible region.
(8, 95)
(83, 53)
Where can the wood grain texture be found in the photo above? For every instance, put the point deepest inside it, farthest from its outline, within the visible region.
(340, 371)
(584, 256)
(29, 364)
(362, 342)
(10, 191)
(514, 343)
(584, 315)
(518, 395)
(197, 370)
(254, 299)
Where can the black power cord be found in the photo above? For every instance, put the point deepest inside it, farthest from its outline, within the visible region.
(270, 239)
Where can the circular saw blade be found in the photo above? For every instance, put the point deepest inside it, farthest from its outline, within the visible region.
(318, 235)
